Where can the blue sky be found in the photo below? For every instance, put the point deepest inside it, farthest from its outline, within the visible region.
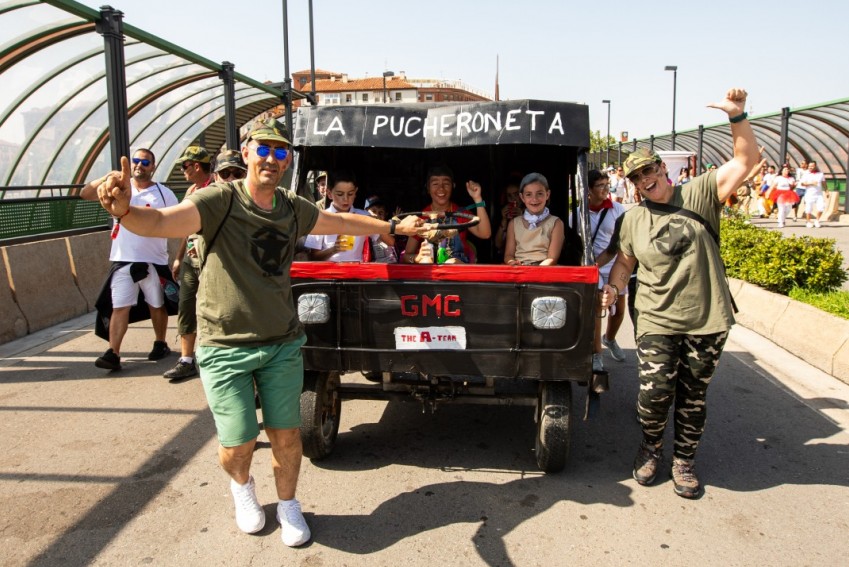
(783, 53)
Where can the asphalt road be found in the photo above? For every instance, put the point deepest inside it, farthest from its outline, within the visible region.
(121, 469)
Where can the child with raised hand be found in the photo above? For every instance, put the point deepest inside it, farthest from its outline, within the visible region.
(536, 237)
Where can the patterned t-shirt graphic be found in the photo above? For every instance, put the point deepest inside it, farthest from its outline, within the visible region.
(268, 249)
(675, 238)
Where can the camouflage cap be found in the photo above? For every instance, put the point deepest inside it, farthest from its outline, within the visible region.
(194, 153)
(640, 158)
(229, 158)
(269, 129)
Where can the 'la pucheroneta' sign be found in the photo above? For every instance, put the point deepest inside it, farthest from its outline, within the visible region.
(433, 126)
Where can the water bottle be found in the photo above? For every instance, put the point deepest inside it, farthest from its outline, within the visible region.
(443, 254)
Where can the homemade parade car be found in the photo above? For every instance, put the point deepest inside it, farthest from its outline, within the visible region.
(481, 333)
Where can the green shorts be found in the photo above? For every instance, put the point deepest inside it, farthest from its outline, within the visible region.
(228, 376)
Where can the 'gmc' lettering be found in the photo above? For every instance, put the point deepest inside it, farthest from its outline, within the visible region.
(415, 306)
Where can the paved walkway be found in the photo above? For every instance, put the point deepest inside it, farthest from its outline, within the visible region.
(103, 468)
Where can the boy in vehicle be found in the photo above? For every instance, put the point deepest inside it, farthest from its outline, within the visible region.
(342, 190)
(440, 184)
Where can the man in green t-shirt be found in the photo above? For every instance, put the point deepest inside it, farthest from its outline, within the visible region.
(683, 306)
(246, 317)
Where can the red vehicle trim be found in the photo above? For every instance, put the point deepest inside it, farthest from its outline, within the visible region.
(497, 273)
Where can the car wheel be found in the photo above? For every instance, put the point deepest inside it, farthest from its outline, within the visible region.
(321, 408)
(553, 426)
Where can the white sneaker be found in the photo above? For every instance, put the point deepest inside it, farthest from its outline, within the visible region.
(614, 348)
(816, 224)
(250, 517)
(294, 530)
(781, 225)
(598, 365)
(809, 224)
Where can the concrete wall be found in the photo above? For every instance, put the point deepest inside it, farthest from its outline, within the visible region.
(90, 263)
(51, 281)
(817, 337)
(43, 284)
(13, 325)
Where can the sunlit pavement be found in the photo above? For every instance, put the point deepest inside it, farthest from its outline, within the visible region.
(121, 469)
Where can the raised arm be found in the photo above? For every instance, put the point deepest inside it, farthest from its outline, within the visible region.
(114, 192)
(484, 228)
(732, 173)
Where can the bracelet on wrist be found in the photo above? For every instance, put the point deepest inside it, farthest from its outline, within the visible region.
(118, 218)
(614, 287)
(738, 118)
(475, 205)
(392, 223)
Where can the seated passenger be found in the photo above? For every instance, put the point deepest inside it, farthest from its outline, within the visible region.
(453, 246)
(382, 245)
(536, 237)
(512, 207)
(342, 190)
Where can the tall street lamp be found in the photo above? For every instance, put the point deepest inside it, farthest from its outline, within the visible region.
(607, 140)
(674, 69)
(386, 74)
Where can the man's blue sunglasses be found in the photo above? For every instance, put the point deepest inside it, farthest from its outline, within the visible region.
(279, 153)
(144, 162)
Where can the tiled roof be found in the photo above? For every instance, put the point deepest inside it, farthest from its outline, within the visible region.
(368, 84)
(318, 72)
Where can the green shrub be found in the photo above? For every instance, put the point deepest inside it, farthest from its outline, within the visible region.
(777, 263)
(834, 302)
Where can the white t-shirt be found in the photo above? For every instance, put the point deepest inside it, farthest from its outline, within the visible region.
(323, 241)
(605, 233)
(817, 178)
(130, 247)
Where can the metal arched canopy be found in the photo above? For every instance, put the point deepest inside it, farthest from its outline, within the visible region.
(52, 110)
(818, 133)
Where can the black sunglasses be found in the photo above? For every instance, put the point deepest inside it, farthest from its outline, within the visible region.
(232, 172)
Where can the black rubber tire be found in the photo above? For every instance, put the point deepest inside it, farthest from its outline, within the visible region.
(554, 424)
(321, 410)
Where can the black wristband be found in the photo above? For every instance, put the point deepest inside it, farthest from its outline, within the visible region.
(392, 226)
(738, 118)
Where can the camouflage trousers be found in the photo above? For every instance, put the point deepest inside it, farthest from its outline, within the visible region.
(676, 369)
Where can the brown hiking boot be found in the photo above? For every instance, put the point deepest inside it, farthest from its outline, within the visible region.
(684, 478)
(647, 462)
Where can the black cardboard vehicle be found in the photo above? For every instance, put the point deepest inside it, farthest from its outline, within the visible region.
(479, 333)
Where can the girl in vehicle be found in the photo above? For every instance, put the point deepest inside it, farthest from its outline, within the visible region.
(536, 237)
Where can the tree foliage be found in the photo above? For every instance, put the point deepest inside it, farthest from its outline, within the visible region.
(597, 141)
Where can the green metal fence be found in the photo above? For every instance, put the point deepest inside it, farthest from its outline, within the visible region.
(29, 217)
